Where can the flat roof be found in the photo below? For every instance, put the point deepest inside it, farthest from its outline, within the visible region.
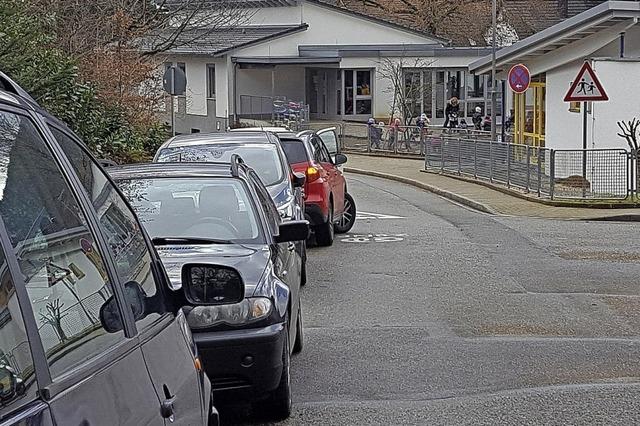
(572, 29)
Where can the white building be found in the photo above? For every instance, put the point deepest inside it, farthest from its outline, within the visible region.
(323, 55)
(608, 36)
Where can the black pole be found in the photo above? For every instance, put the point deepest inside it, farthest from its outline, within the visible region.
(584, 149)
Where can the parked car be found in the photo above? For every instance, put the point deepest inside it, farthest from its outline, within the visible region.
(262, 152)
(217, 230)
(328, 206)
(89, 332)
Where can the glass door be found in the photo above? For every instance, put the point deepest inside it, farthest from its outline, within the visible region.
(358, 93)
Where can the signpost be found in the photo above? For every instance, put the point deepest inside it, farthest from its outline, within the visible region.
(585, 88)
(519, 78)
(174, 82)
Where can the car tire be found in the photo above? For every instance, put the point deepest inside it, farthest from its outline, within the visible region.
(348, 218)
(299, 344)
(277, 406)
(325, 232)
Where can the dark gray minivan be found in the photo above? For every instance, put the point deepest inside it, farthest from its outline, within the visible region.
(89, 334)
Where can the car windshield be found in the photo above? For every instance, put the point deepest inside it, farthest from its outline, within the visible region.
(295, 151)
(264, 159)
(209, 210)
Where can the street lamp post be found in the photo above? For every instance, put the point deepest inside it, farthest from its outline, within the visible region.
(494, 103)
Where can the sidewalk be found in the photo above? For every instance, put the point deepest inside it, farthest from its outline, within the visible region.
(474, 195)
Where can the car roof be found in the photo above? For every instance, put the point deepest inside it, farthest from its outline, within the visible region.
(198, 139)
(164, 170)
(279, 131)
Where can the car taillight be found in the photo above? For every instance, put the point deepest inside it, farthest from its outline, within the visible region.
(312, 174)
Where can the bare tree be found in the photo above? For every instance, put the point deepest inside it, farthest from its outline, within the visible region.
(630, 132)
(53, 317)
(407, 87)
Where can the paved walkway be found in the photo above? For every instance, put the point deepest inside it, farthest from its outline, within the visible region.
(474, 195)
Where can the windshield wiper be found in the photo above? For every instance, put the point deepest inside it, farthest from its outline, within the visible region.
(164, 241)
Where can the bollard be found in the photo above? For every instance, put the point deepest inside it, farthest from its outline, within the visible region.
(490, 161)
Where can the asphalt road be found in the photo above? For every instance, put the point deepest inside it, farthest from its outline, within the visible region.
(443, 315)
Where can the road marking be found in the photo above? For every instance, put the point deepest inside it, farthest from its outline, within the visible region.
(373, 238)
(367, 215)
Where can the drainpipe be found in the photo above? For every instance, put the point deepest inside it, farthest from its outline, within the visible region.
(235, 108)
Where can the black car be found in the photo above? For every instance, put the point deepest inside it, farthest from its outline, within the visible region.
(89, 332)
(217, 229)
(262, 152)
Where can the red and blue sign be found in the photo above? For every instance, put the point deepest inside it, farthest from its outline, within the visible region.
(519, 78)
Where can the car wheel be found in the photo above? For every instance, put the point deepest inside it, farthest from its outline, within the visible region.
(278, 405)
(348, 218)
(299, 344)
(324, 232)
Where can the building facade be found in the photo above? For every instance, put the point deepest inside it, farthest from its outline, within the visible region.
(327, 57)
(608, 36)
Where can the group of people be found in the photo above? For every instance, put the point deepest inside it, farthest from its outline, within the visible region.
(452, 121)
(452, 111)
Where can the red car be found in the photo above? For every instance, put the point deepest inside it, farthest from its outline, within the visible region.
(328, 206)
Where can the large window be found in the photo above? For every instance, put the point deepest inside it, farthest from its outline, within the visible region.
(358, 92)
(429, 90)
(124, 236)
(63, 268)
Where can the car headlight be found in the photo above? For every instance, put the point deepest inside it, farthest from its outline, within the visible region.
(287, 210)
(248, 311)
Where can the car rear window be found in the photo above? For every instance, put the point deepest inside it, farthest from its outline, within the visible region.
(295, 151)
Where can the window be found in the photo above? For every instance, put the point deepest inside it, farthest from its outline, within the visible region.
(270, 210)
(219, 209)
(363, 80)
(17, 378)
(295, 151)
(124, 236)
(320, 153)
(330, 141)
(63, 268)
(211, 81)
(182, 66)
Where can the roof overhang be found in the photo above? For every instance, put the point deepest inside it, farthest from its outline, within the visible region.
(576, 28)
(389, 50)
(284, 60)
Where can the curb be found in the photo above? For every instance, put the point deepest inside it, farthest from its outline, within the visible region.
(434, 189)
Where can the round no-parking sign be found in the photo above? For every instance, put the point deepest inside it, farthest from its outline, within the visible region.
(519, 78)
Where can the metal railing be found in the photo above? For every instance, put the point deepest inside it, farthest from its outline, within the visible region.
(597, 174)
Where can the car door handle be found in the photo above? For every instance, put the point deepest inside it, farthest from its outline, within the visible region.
(167, 409)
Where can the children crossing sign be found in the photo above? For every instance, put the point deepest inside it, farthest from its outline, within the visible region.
(586, 87)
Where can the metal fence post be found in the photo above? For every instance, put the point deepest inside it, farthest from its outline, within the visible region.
(395, 140)
(459, 156)
(442, 144)
(475, 158)
(508, 165)
(490, 161)
(426, 156)
(368, 138)
(552, 172)
(422, 141)
(539, 172)
(529, 167)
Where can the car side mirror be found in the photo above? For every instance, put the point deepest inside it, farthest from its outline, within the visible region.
(298, 179)
(293, 230)
(340, 159)
(206, 284)
(110, 316)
